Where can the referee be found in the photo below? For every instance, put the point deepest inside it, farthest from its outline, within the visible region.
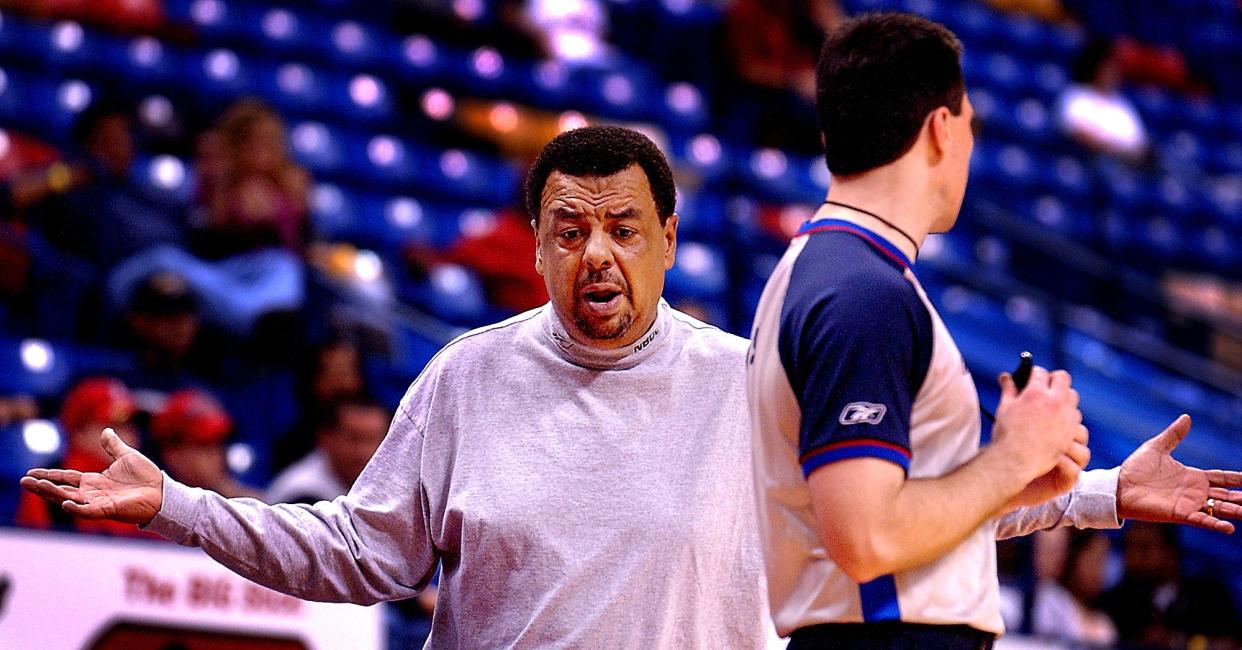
(878, 510)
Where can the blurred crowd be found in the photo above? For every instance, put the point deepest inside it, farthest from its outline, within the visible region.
(1084, 588)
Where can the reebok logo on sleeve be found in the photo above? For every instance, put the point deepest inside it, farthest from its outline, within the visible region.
(862, 413)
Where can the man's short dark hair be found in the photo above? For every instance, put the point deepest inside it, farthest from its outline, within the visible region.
(878, 78)
(598, 151)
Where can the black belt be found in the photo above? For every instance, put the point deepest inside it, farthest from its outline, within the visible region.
(890, 634)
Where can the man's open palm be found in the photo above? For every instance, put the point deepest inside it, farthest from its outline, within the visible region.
(130, 490)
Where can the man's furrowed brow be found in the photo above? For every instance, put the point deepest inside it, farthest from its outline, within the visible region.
(624, 213)
(564, 212)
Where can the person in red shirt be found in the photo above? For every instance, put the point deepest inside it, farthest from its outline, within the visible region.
(191, 431)
(90, 406)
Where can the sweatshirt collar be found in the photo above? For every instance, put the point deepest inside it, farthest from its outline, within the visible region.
(587, 356)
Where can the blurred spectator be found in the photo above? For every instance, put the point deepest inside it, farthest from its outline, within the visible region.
(125, 15)
(89, 407)
(345, 440)
(502, 253)
(255, 196)
(1047, 10)
(774, 45)
(17, 408)
(106, 215)
(1155, 64)
(163, 328)
(334, 373)
(1154, 604)
(189, 433)
(1093, 110)
(572, 31)
(236, 293)
(1063, 605)
(1013, 563)
(40, 278)
(1207, 314)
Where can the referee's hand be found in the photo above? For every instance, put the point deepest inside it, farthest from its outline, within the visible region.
(1041, 429)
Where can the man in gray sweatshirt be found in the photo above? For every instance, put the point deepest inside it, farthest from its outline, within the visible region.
(580, 471)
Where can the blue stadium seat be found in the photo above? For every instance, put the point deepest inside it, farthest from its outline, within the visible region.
(145, 62)
(484, 71)
(685, 108)
(1160, 236)
(419, 60)
(296, 88)
(451, 292)
(68, 47)
(703, 153)
(35, 443)
(1224, 157)
(169, 175)
(284, 30)
(360, 44)
(701, 215)
(1010, 166)
(700, 273)
(335, 212)
(1069, 218)
(1071, 178)
(60, 102)
(783, 177)
(14, 36)
(364, 98)
(12, 100)
(213, 20)
(317, 147)
(219, 73)
(34, 367)
(383, 159)
(627, 95)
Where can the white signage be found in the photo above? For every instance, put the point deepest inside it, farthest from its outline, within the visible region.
(65, 591)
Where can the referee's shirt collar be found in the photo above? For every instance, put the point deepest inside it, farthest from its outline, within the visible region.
(894, 248)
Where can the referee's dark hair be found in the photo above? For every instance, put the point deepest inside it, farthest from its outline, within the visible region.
(878, 78)
(598, 151)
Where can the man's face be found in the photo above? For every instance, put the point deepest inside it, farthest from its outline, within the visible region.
(197, 464)
(172, 335)
(353, 442)
(957, 164)
(338, 374)
(603, 252)
(1148, 556)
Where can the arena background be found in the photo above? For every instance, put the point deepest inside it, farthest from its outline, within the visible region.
(1105, 245)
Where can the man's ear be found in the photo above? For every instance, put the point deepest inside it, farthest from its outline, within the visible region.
(939, 135)
(670, 241)
(538, 253)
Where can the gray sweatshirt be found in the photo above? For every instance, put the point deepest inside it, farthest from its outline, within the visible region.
(575, 497)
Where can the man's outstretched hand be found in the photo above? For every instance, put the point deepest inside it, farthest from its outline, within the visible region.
(130, 490)
(1155, 487)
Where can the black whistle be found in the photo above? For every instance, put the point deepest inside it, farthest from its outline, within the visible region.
(1023, 374)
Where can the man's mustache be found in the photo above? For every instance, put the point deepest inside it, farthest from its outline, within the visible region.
(599, 277)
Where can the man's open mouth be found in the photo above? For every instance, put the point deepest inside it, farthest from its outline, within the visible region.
(602, 299)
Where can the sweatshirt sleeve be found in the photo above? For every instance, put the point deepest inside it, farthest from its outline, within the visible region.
(370, 545)
(1091, 504)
